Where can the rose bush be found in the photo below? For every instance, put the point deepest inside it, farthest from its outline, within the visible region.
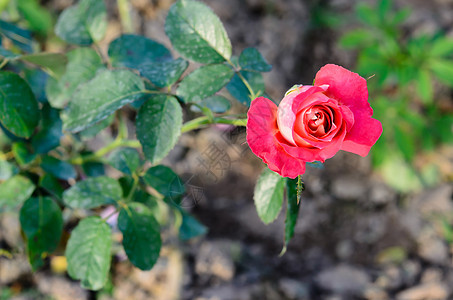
(313, 122)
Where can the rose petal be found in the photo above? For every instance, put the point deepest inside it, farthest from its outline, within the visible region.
(314, 153)
(261, 136)
(347, 87)
(363, 135)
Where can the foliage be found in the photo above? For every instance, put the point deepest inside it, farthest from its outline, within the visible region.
(404, 70)
(53, 104)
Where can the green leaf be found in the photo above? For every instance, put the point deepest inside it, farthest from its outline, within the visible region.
(141, 235)
(443, 69)
(88, 253)
(42, 222)
(22, 153)
(367, 14)
(159, 123)
(53, 63)
(165, 181)
(292, 211)
(204, 82)
(190, 227)
(38, 18)
(215, 103)
(442, 47)
(240, 91)
(424, 86)
(19, 111)
(163, 73)
(93, 192)
(51, 131)
(197, 33)
(51, 184)
(405, 142)
(93, 130)
(268, 195)
(384, 8)
(252, 60)
(22, 38)
(356, 38)
(83, 23)
(58, 168)
(14, 191)
(132, 51)
(101, 97)
(126, 160)
(7, 170)
(83, 63)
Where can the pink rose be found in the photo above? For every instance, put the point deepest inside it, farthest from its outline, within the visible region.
(313, 122)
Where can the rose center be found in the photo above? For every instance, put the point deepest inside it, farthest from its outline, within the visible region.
(317, 121)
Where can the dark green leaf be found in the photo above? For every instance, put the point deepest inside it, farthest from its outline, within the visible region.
(240, 91)
(88, 253)
(14, 191)
(7, 170)
(163, 73)
(58, 168)
(126, 160)
(51, 131)
(292, 210)
(204, 82)
(7, 54)
(22, 153)
(83, 63)
(197, 33)
(19, 111)
(52, 63)
(132, 51)
(159, 123)
(165, 181)
(190, 227)
(443, 69)
(51, 184)
(384, 8)
(252, 60)
(215, 103)
(101, 97)
(37, 80)
(268, 195)
(42, 222)
(141, 235)
(83, 23)
(22, 38)
(93, 169)
(367, 14)
(93, 192)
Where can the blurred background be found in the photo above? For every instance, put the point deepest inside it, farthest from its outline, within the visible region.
(379, 227)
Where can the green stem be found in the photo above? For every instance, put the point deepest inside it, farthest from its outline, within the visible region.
(103, 151)
(246, 83)
(3, 63)
(125, 16)
(205, 120)
(300, 188)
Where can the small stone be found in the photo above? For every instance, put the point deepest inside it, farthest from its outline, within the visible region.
(426, 291)
(431, 275)
(343, 279)
(348, 188)
(12, 269)
(10, 230)
(432, 248)
(375, 293)
(381, 194)
(215, 260)
(293, 289)
(411, 269)
(59, 288)
(344, 249)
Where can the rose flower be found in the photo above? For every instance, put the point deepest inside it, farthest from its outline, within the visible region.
(313, 122)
